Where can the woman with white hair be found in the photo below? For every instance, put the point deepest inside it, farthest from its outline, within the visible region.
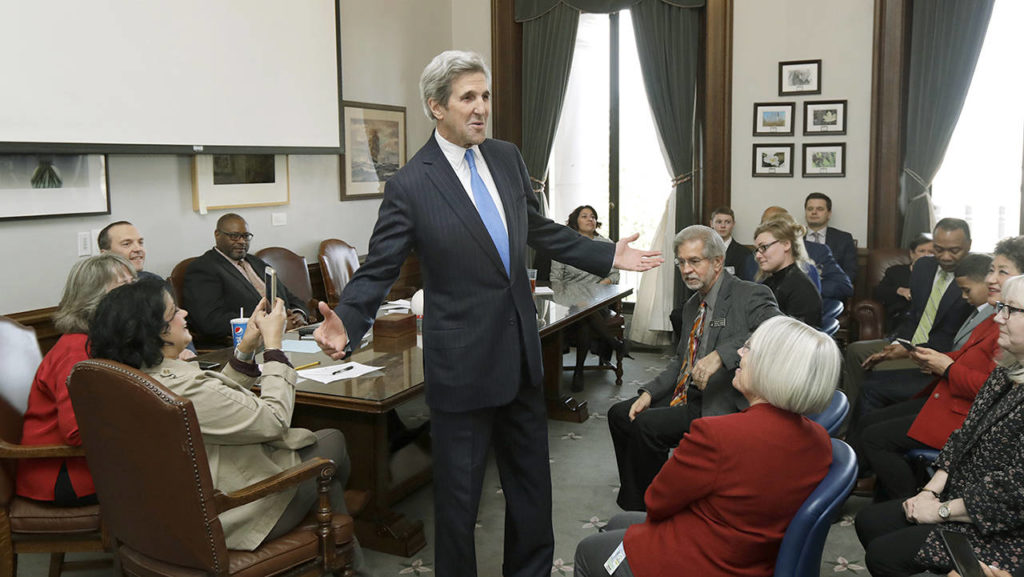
(978, 485)
(722, 502)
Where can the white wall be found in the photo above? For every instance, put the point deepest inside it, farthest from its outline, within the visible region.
(385, 45)
(766, 33)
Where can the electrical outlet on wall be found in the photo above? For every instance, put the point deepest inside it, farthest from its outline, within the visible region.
(279, 218)
(93, 235)
(84, 244)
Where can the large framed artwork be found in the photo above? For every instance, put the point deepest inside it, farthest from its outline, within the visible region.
(773, 160)
(239, 180)
(47, 185)
(375, 148)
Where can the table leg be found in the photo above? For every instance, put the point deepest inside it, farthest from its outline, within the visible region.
(378, 527)
(560, 407)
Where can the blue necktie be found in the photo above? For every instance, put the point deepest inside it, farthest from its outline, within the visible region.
(488, 211)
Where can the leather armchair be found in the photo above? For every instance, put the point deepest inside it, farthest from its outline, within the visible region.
(338, 262)
(27, 526)
(869, 313)
(177, 279)
(150, 467)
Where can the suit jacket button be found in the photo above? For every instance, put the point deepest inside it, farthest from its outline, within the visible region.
(936, 395)
(511, 322)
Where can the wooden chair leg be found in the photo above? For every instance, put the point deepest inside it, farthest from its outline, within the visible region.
(56, 563)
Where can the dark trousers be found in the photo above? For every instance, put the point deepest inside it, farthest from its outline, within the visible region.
(885, 388)
(593, 551)
(642, 445)
(890, 541)
(460, 442)
(884, 443)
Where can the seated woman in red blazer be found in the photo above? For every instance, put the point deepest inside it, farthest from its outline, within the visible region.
(721, 504)
(49, 419)
(926, 421)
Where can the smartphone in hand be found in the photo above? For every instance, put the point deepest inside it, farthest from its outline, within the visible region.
(906, 344)
(270, 288)
(962, 553)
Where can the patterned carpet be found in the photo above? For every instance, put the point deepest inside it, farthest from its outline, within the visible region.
(585, 482)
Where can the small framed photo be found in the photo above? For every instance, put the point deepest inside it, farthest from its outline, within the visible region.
(374, 148)
(800, 77)
(773, 118)
(773, 160)
(825, 160)
(824, 117)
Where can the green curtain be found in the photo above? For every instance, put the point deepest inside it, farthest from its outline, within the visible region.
(946, 38)
(548, 44)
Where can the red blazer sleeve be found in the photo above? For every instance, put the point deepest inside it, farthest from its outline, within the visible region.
(66, 421)
(687, 476)
(975, 362)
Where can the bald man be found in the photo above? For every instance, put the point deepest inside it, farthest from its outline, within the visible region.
(227, 278)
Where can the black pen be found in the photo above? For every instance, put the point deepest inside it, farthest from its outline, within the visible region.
(341, 370)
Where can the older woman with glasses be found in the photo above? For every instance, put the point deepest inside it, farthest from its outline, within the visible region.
(50, 419)
(779, 248)
(722, 502)
(978, 487)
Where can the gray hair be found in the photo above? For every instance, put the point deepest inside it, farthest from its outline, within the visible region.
(1014, 368)
(436, 80)
(793, 366)
(714, 246)
(86, 286)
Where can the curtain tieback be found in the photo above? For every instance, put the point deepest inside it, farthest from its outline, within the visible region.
(540, 184)
(684, 178)
(926, 186)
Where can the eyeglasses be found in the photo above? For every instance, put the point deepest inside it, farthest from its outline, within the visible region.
(236, 235)
(763, 248)
(1001, 307)
(693, 262)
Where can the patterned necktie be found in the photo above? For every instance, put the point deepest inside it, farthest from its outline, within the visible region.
(679, 395)
(924, 327)
(488, 211)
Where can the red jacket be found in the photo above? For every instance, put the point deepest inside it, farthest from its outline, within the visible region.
(50, 420)
(950, 397)
(721, 504)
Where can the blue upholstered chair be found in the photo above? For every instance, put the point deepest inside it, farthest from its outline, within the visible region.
(923, 462)
(832, 417)
(804, 541)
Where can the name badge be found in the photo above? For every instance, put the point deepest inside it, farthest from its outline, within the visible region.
(717, 323)
(615, 560)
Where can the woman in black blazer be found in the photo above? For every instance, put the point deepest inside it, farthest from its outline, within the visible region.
(778, 249)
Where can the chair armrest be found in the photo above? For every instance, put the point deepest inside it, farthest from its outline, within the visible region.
(870, 317)
(318, 467)
(15, 451)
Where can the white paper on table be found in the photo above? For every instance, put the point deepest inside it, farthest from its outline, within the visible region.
(300, 346)
(544, 290)
(333, 373)
(398, 304)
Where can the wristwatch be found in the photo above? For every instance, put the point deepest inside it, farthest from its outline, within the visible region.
(245, 358)
(944, 512)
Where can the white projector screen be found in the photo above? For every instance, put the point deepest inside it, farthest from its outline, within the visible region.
(173, 74)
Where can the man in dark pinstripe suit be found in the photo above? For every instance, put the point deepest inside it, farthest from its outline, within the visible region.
(482, 356)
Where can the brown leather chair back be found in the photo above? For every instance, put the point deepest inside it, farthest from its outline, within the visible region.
(338, 262)
(880, 259)
(19, 357)
(177, 280)
(291, 269)
(148, 461)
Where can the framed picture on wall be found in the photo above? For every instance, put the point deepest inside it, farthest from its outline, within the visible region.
(773, 160)
(800, 77)
(824, 117)
(239, 180)
(374, 148)
(825, 160)
(774, 118)
(46, 185)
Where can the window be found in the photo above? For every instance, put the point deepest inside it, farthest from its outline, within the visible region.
(581, 155)
(980, 177)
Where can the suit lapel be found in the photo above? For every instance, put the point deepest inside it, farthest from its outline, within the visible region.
(506, 191)
(236, 274)
(721, 311)
(440, 173)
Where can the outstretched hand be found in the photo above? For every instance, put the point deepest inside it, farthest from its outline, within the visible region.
(629, 258)
(331, 335)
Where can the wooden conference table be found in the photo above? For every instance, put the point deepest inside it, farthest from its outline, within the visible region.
(359, 408)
